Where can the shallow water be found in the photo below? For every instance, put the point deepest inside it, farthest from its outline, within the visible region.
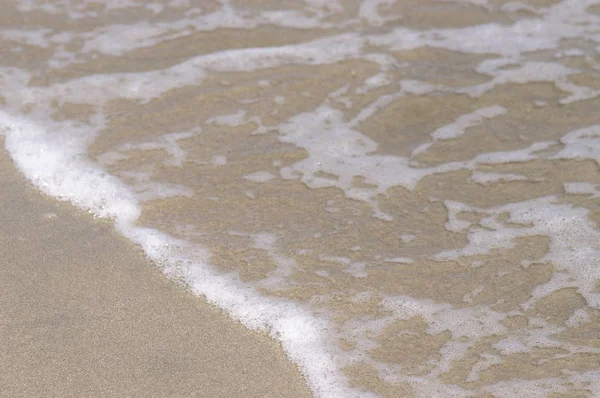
(404, 193)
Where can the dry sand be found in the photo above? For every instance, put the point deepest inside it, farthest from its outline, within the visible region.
(83, 313)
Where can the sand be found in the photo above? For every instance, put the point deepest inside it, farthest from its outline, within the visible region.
(83, 313)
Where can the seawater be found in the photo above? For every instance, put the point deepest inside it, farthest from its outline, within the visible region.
(404, 193)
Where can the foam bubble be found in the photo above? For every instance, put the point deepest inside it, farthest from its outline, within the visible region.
(259, 176)
(582, 188)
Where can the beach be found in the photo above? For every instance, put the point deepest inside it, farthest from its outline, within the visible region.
(317, 198)
(84, 314)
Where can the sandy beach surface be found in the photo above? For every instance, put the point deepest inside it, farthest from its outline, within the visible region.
(84, 314)
(404, 194)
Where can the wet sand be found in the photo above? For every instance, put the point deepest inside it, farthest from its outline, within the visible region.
(83, 313)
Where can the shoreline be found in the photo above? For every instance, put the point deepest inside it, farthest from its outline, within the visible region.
(99, 319)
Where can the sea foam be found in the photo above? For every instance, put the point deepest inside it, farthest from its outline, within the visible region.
(362, 263)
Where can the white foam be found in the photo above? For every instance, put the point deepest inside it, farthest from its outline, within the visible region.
(60, 170)
(515, 6)
(464, 122)
(145, 188)
(459, 127)
(259, 176)
(538, 388)
(356, 269)
(118, 39)
(580, 317)
(37, 38)
(574, 246)
(370, 10)
(219, 160)
(581, 144)
(480, 3)
(53, 156)
(346, 153)
(535, 72)
(454, 224)
(400, 260)
(582, 188)
(234, 119)
(407, 238)
(567, 19)
(168, 143)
